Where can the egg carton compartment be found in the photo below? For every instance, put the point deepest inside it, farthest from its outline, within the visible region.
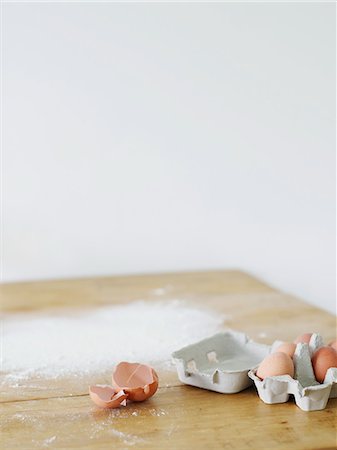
(220, 363)
(309, 394)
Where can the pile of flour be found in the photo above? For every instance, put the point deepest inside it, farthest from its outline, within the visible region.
(81, 343)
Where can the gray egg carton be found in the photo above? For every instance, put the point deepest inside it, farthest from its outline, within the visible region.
(309, 394)
(220, 363)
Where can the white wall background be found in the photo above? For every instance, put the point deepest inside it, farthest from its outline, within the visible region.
(163, 137)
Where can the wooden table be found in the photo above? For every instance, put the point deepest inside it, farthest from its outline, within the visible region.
(59, 414)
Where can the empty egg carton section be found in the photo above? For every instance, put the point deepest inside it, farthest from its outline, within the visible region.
(220, 363)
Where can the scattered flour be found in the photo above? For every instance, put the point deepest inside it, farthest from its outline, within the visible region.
(157, 412)
(48, 441)
(107, 427)
(82, 343)
(126, 438)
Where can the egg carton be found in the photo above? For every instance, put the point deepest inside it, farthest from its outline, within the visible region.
(309, 394)
(220, 363)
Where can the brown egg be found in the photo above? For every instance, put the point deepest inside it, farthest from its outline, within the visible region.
(322, 360)
(275, 364)
(333, 344)
(107, 396)
(287, 347)
(304, 338)
(139, 381)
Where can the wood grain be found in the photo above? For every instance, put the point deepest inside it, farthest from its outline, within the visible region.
(59, 414)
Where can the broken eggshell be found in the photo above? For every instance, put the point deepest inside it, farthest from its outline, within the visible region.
(138, 381)
(107, 397)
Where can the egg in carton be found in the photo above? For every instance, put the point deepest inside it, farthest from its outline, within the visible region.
(310, 395)
(220, 363)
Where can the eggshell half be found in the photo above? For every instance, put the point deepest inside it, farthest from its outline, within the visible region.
(322, 360)
(138, 381)
(275, 364)
(304, 338)
(287, 347)
(107, 396)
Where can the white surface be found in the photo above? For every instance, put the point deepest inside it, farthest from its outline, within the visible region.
(101, 338)
(158, 137)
